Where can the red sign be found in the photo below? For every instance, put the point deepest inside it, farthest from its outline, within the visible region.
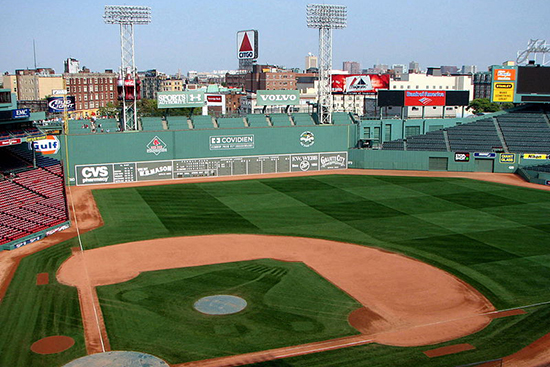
(10, 142)
(425, 98)
(359, 83)
(214, 99)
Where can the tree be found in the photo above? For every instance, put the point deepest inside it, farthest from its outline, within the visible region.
(479, 105)
(110, 110)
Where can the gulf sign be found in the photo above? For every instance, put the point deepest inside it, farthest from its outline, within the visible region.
(247, 45)
(48, 145)
(359, 83)
(425, 98)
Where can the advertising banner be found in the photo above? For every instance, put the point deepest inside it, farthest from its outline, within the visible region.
(21, 113)
(148, 171)
(359, 83)
(535, 156)
(94, 174)
(504, 75)
(503, 92)
(507, 158)
(46, 145)
(60, 104)
(425, 98)
(180, 99)
(277, 97)
(247, 45)
(226, 142)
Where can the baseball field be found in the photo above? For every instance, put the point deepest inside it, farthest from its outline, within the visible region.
(396, 271)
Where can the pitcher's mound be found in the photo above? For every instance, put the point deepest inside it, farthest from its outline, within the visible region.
(220, 305)
(52, 344)
(118, 359)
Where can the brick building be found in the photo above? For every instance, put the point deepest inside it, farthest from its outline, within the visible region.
(92, 90)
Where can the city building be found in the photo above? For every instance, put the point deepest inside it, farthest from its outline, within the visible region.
(91, 91)
(33, 84)
(414, 67)
(482, 85)
(449, 70)
(151, 83)
(266, 77)
(352, 67)
(72, 66)
(311, 62)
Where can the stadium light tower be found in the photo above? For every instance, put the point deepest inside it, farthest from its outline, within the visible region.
(128, 83)
(325, 18)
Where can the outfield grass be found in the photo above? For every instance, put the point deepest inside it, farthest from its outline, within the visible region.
(495, 237)
(288, 304)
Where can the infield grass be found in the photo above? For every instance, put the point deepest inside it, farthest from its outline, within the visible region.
(288, 304)
(494, 237)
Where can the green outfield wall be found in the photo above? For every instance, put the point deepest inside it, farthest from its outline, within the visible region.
(123, 157)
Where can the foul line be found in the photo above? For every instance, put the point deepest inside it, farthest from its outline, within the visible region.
(96, 315)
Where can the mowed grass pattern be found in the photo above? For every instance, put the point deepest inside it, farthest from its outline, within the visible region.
(288, 304)
(495, 237)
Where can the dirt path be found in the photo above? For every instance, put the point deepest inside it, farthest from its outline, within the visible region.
(537, 354)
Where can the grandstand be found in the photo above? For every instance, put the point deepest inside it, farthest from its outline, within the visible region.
(203, 122)
(303, 119)
(231, 122)
(280, 119)
(32, 196)
(151, 124)
(177, 122)
(256, 120)
(517, 131)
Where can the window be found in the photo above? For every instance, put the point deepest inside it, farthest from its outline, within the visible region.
(412, 131)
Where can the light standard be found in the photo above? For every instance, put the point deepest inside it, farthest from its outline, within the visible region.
(325, 18)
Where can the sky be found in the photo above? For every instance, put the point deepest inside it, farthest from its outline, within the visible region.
(200, 35)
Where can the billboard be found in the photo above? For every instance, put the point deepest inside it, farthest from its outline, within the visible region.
(180, 99)
(533, 80)
(60, 104)
(359, 83)
(520, 84)
(277, 97)
(425, 98)
(247, 45)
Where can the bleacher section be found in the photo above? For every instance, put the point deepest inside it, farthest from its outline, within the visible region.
(280, 119)
(31, 199)
(479, 136)
(231, 122)
(302, 119)
(434, 141)
(341, 118)
(22, 133)
(257, 120)
(177, 122)
(202, 122)
(151, 123)
(525, 132)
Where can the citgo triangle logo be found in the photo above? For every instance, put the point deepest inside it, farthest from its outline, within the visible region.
(245, 45)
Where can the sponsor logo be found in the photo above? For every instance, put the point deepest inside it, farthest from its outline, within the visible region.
(246, 41)
(21, 113)
(232, 142)
(333, 161)
(507, 158)
(279, 98)
(180, 99)
(504, 85)
(505, 74)
(59, 104)
(26, 242)
(214, 99)
(147, 171)
(10, 142)
(49, 145)
(156, 146)
(535, 156)
(462, 157)
(95, 174)
(304, 165)
(425, 100)
(58, 229)
(485, 155)
(307, 139)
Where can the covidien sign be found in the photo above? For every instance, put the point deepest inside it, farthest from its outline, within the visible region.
(278, 98)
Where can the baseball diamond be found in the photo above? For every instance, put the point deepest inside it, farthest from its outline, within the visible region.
(166, 247)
